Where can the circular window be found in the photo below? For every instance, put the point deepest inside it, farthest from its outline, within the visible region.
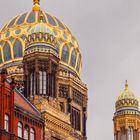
(17, 31)
(7, 34)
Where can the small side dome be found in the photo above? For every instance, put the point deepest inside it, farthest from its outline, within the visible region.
(126, 100)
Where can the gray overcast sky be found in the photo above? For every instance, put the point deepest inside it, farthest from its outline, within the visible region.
(108, 32)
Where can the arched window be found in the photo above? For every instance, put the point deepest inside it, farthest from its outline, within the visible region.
(19, 129)
(32, 134)
(122, 134)
(73, 58)
(75, 119)
(43, 82)
(78, 63)
(65, 54)
(130, 133)
(7, 52)
(17, 49)
(26, 132)
(6, 122)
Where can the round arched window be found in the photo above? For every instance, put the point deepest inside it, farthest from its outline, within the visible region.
(73, 58)
(65, 54)
(32, 134)
(19, 129)
(26, 132)
(0, 57)
(17, 49)
(7, 52)
(6, 122)
(78, 63)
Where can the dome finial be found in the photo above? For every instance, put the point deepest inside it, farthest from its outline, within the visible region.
(126, 85)
(41, 16)
(36, 6)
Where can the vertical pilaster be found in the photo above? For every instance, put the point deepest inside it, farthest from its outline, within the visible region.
(57, 87)
(135, 134)
(29, 85)
(138, 133)
(84, 121)
(118, 135)
(126, 131)
(115, 136)
(37, 82)
(12, 106)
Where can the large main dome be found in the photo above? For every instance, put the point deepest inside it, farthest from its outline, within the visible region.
(13, 37)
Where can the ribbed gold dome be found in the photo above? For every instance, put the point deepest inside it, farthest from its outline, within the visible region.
(126, 100)
(15, 32)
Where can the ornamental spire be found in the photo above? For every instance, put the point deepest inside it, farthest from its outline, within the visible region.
(36, 6)
(41, 16)
(126, 85)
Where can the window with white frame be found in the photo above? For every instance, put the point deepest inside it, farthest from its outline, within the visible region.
(6, 122)
(130, 133)
(19, 129)
(32, 134)
(26, 132)
(42, 84)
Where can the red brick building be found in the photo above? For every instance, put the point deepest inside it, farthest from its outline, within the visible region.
(18, 117)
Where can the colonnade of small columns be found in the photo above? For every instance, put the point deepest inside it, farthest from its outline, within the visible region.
(127, 134)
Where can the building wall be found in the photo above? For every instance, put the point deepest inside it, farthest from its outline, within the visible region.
(29, 121)
(16, 114)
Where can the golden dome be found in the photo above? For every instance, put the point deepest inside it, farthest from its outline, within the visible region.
(126, 100)
(15, 32)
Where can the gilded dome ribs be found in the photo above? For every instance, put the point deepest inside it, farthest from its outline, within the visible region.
(19, 27)
(43, 57)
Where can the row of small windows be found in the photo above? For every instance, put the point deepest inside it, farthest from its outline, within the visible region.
(25, 132)
(129, 134)
(22, 131)
(17, 49)
(45, 80)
